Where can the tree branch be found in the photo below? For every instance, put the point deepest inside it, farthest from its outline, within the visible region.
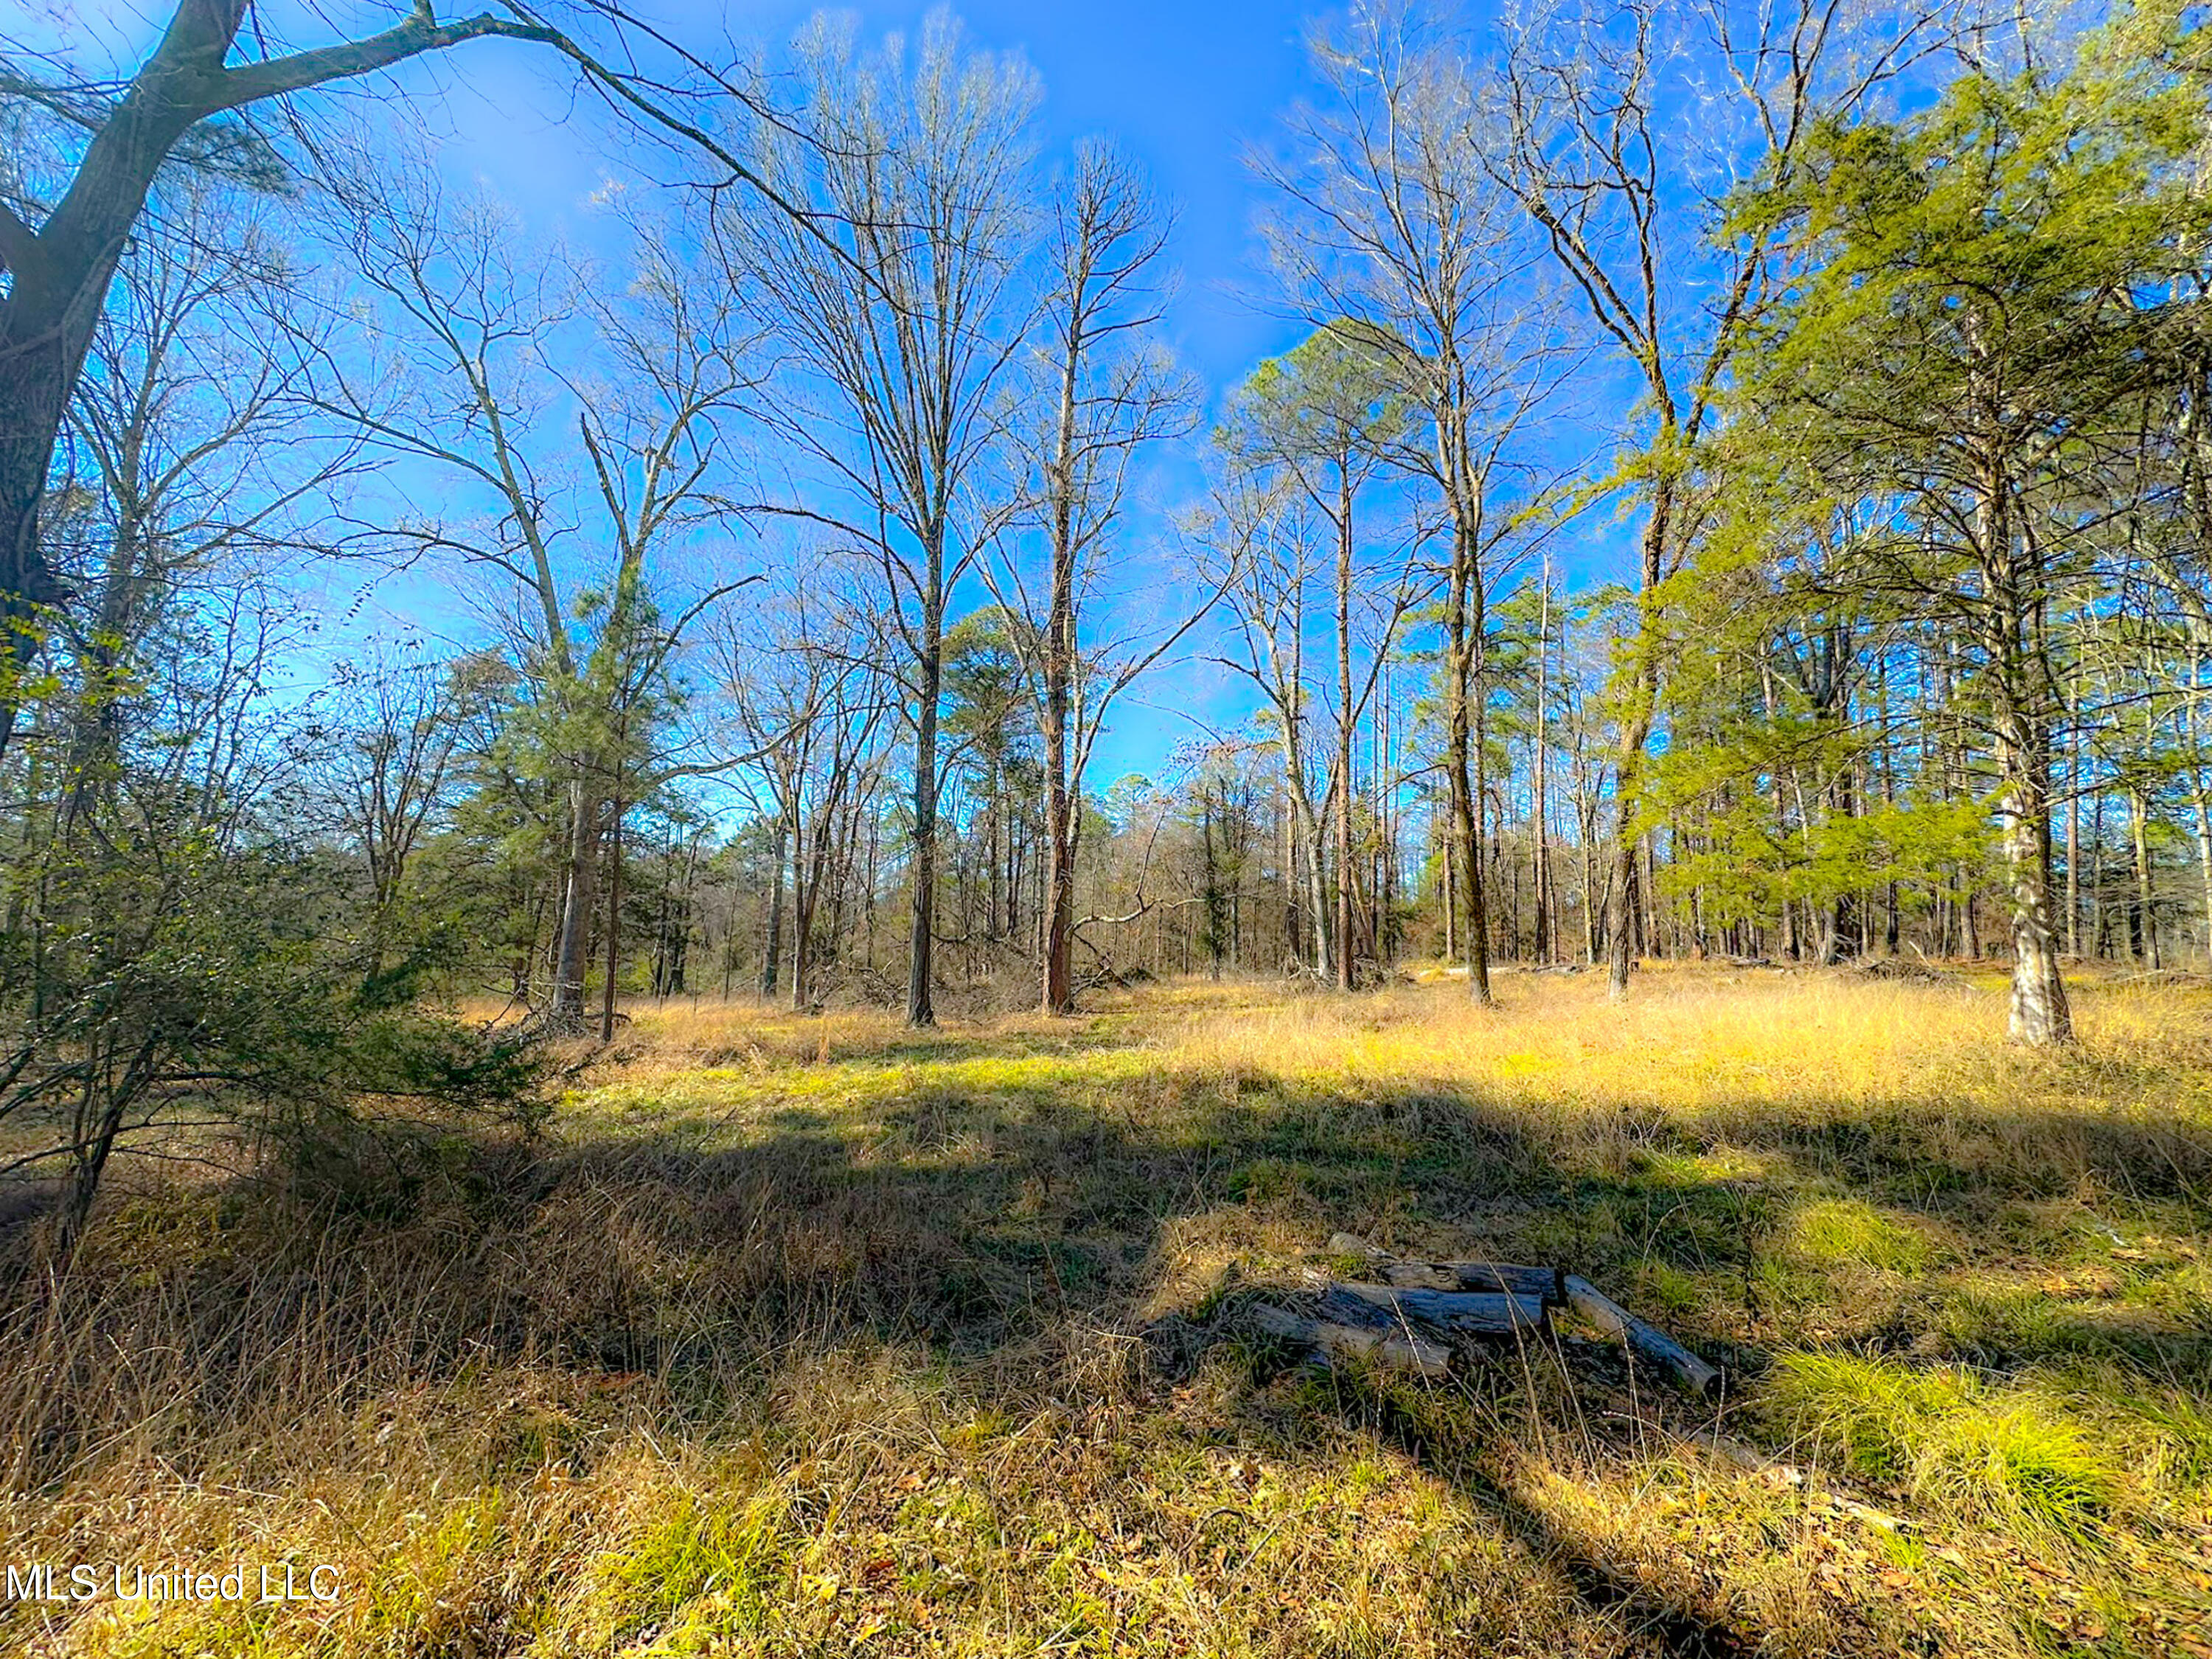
(421, 33)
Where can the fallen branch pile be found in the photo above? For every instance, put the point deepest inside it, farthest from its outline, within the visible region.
(1412, 1319)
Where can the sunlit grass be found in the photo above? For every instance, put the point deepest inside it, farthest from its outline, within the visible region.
(817, 1335)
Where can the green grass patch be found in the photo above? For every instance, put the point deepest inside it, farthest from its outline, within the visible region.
(1850, 1230)
(704, 1549)
(2008, 1458)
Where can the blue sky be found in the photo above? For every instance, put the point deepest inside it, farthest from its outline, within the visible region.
(1184, 85)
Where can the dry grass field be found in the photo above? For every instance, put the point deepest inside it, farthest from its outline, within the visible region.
(800, 1336)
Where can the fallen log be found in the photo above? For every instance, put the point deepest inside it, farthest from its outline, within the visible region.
(1471, 1312)
(1395, 1349)
(1645, 1340)
(1504, 1278)
(1415, 1275)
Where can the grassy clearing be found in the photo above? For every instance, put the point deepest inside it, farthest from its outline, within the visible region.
(814, 1336)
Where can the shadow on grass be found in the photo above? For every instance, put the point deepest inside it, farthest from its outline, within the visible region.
(986, 1221)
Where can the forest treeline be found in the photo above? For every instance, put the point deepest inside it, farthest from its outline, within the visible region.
(1741, 491)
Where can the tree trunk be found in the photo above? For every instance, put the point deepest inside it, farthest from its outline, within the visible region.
(1635, 733)
(2204, 854)
(577, 899)
(1059, 903)
(2097, 914)
(2073, 824)
(1310, 832)
(1451, 897)
(805, 896)
(1540, 768)
(2203, 790)
(1059, 807)
(922, 935)
(614, 918)
(1344, 793)
(2146, 896)
(1379, 865)
(1463, 635)
(99, 1115)
(2040, 1015)
(772, 953)
(1317, 885)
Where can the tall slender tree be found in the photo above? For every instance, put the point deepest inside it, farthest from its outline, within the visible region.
(1391, 230)
(897, 301)
(1112, 391)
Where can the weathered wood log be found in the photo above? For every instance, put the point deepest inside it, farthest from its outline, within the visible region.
(1415, 1275)
(1648, 1341)
(1395, 1349)
(1473, 1313)
(1503, 1277)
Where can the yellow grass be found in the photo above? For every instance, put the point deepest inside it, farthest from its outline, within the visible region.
(817, 1336)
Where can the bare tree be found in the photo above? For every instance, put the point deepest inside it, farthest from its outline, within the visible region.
(473, 323)
(398, 739)
(204, 454)
(895, 304)
(812, 704)
(1113, 392)
(1325, 416)
(59, 270)
(1392, 233)
(1257, 538)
